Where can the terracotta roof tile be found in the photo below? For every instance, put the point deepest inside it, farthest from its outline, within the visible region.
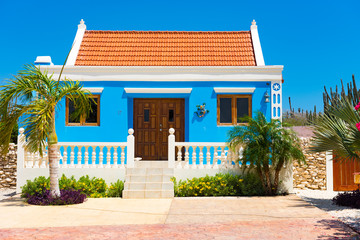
(166, 48)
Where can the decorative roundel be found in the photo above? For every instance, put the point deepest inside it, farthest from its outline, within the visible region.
(276, 87)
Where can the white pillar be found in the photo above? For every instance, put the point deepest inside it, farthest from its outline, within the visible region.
(171, 148)
(20, 160)
(329, 171)
(130, 148)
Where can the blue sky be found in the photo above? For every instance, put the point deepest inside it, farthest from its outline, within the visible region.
(318, 42)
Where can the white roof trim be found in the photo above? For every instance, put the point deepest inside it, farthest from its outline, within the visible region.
(234, 90)
(158, 90)
(256, 44)
(93, 90)
(76, 44)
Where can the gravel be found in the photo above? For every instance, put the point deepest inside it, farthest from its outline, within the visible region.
(6, 193)
(323, 200)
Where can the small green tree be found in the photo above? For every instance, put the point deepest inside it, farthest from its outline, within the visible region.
(32, 98)
(267, 148)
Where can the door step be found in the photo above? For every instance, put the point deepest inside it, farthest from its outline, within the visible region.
(150, 179)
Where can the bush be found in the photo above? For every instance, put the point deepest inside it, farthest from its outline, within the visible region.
(348, 199)
(67, 197)
(91, 187)
(219, 185)
(115, 189)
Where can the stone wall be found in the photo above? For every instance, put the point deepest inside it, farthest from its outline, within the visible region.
(8, 169)
(311, 175)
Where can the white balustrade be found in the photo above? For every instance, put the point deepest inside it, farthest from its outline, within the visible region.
(203, 154)
(79, 154)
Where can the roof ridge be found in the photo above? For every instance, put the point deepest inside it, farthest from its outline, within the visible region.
(166, 31)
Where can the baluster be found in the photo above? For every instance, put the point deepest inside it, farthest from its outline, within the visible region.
(42, 161)
(216, 158)
(72, 157)
(179, 157)
(28, 160)
(229, 159)
(115, 165)
(222, 157)
(122, 157)
(93, 157)
(79, 157)
(101, 157)
(208, 157)
(108, 157)
(201, 157)
(65, 157)
(193, 165)
(186, 166)
(86, 158)
(36, 160)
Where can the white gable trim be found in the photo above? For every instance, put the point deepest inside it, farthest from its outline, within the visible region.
(94, 90)
(76, 44)
(234, 90)
(158, 90)
(256, 44)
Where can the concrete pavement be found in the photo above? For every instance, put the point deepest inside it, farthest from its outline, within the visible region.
(286, 217)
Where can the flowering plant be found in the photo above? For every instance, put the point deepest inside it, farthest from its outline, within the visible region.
(357, 107)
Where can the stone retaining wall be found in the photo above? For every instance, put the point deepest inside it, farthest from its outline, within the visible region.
(311, 175)
(8, 169)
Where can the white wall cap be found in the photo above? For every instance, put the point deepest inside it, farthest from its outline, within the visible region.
(234, 90)
(256, 44)
(43, 59)
(94, 90)
(158, 90)
(76, 44)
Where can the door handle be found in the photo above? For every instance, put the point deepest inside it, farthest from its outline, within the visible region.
(160, 130)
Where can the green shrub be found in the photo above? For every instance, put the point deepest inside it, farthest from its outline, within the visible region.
(92, 187)
(38, 186)
(219, 185)
(115, 189)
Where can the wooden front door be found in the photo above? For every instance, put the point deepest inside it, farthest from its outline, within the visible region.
(153, 117)
(343, 174)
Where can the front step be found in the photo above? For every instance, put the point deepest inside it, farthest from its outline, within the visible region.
(149, 179)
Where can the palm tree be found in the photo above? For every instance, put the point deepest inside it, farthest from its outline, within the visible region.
(32, 98)
(337, 130)
(267, 148)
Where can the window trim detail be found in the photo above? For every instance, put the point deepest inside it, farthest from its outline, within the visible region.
(233, 108)
(82, 119)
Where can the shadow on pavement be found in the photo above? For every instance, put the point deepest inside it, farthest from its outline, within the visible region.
(342, 231)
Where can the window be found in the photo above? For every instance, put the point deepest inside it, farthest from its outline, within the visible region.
(231, 108)
(93, 119)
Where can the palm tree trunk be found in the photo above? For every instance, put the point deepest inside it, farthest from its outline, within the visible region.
(276, 177)
(53, 159)
(54, 171)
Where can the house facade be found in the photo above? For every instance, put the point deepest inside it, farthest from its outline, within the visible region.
(161, 95)
(152, 81)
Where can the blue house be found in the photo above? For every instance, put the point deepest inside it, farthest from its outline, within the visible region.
(152, 81)
(161, 95)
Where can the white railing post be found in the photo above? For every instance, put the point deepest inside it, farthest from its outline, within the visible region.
(171, 148)
(20, 159)
(130, 149)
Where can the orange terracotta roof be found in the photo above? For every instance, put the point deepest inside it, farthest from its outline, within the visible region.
(166, 48)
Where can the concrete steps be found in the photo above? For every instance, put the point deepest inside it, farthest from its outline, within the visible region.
(149, 179)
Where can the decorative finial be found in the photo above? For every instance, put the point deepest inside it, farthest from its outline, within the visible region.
(21, 130)
(171, 131)
(253, 22)
(131, 131)
(82, 24)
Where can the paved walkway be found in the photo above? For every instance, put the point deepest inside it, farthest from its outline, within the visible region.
(286, 217)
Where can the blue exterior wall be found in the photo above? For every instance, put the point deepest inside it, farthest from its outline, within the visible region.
(116, 110)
